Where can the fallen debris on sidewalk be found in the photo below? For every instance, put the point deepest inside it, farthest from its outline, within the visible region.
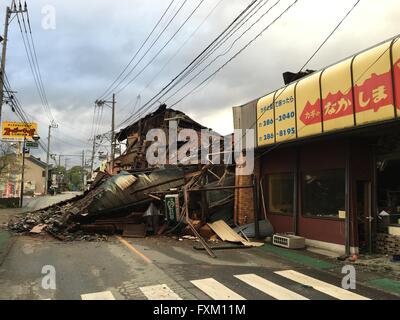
(226, 233)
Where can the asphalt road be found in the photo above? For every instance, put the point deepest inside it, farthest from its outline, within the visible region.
(157, 268)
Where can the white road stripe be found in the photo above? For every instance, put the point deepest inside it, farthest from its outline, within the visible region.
(216, 290)
(105, 295)
(321, 286)
(270, 288)
(159, 292)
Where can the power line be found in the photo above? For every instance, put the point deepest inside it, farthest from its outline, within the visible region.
(162, 49)
(199, 56)
(238, 53)
(231, 59)
(33, 62)
(227, 36)
(311, 57)
(226, 51)
(173, 56)
(137, 52)
(17, 107)
(149, 49)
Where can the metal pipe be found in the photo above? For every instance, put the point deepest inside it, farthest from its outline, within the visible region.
(296, 192)
(221, 188)
(256, 211)
(203, 242)
(347, 198)
(21, 197)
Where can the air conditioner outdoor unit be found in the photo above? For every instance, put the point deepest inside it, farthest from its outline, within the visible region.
(289, 241)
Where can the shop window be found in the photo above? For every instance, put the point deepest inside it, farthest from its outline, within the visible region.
(323, 193)
(280, 193)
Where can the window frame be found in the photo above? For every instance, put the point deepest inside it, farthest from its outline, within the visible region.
(301, 194)
(267, 198)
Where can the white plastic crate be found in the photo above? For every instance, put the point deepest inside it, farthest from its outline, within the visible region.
(289, 241)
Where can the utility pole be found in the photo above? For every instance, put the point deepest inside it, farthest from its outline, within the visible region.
(113, 133)
(4, 39)
(21, 197)
(53, 125)
(83, 170)
(92, 159)
(3, 58)
(36, 138)
(101, 103)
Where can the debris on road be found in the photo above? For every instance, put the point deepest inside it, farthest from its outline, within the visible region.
(226, 233)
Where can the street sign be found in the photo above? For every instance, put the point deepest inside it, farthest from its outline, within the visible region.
(17, 131)
(32, 145)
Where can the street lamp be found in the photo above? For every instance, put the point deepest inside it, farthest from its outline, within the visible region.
(35, 138)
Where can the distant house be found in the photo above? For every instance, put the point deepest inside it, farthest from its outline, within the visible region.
(34, 179)
(35, 175)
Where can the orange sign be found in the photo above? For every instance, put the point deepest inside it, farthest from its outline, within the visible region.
(17, 131)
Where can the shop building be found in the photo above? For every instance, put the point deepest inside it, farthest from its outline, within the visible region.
(328, 152)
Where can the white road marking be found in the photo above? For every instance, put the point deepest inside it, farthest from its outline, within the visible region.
(159, 292)
(216, 290)
(105, 295)
(270, 288)
(321, 286)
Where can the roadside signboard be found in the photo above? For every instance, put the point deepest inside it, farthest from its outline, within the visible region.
(32, 145)
(17, 131)
(354, 92)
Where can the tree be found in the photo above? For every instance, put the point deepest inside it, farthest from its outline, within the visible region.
(74, 177)
(8, 165)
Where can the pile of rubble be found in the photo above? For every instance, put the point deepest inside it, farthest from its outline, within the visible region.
(55, 221)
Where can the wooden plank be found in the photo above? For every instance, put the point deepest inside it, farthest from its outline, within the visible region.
(226, 233)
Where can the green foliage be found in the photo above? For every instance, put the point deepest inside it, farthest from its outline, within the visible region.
(73, 178)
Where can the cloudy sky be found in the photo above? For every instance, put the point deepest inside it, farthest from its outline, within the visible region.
(93, 40)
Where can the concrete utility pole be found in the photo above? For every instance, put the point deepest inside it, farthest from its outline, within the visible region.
(92, 158)
(83, 170)
(3, 58)
(4, 39)
(101, 103)
(21, 197)
(53, 125)
(113, 132)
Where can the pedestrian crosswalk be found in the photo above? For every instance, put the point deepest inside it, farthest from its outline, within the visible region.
(280, 285)
(321, 286)
(159, 292)
(216, 290)
(104, 295)
(270, 288)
